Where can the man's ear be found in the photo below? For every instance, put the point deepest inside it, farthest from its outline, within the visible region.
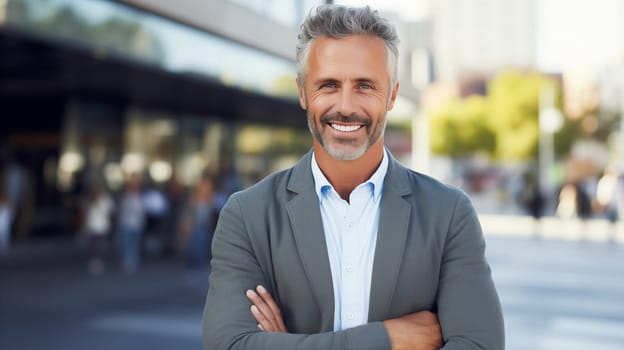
(302, 100)
(393, 95)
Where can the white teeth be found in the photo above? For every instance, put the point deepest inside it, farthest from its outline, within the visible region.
(345, 128)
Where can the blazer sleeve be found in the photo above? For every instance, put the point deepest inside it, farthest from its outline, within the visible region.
(468, 307)
(227, 320)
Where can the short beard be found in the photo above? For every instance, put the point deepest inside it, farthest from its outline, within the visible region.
(345, 152)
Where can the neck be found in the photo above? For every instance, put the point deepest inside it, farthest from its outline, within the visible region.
(345, 175)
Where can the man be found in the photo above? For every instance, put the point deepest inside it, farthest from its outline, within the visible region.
(348, 249)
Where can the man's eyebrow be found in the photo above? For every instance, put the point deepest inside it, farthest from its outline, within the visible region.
(366, 80)
(333, 80)
(325, 80)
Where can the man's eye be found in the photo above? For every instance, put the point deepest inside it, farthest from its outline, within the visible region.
(328, 86)
(364, 86)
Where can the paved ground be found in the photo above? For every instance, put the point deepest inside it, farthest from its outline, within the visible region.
(49, 301)
(557, 295)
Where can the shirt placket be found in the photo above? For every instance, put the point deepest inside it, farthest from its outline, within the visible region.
(351, 283)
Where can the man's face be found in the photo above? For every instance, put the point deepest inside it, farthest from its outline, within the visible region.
(347, 94)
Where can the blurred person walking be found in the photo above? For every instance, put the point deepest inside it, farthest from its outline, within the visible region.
(131, 223)
(156, 205)
(199, 219)
(18, 189)
(575, 203)
(97, 225)
(175, 194)
(5, 220)
(532, 199)
(608, 198)
(584, 194)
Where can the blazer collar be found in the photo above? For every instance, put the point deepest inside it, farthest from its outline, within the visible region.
(302, 180)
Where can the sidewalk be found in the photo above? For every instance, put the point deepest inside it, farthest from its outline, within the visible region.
(552, 228)
(47, 290)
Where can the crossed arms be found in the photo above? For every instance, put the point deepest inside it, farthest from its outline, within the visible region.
(416, 331)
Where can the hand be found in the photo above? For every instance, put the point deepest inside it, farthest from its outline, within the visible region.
(265, 311)
(417, 331)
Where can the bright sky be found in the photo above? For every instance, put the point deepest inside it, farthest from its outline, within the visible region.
(579, 33)
(570, 33)
(408, 10)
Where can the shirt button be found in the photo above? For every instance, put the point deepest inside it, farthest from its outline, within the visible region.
(349, 268)
(349, 316)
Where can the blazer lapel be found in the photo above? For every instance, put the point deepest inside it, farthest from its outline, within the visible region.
(307, 225)
(392, 233)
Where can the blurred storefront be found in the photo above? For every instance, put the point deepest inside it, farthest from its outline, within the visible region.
(94, 90)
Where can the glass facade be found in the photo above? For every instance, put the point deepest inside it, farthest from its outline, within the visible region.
(160, 145)
(287, 12)
(102, 139)
(111, 29)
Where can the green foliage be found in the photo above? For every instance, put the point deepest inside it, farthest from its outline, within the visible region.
(503, 124)
(564, 138)
(461, 128)
(514, 113)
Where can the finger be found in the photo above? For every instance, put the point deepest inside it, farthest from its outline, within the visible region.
(272, 305)
(267, 318)
(268, 299)
(263, 323)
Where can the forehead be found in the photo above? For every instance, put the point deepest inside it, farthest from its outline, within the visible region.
(363, 54)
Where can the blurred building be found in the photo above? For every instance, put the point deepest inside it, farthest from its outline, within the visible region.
(92, 90)
(478, 37)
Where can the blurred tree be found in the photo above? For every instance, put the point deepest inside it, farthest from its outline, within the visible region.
(514, 113)
(564, 138)
(504, 124)
(460, 128)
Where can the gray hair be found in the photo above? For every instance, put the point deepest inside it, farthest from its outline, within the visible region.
(337, 21)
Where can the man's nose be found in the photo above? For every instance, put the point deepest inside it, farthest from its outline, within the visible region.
(346, 103)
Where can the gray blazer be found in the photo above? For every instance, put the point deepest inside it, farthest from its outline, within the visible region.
(429, 256)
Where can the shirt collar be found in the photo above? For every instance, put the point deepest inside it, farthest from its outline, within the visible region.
(321, 183)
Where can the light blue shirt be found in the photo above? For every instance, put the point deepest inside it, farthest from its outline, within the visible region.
(351, 236)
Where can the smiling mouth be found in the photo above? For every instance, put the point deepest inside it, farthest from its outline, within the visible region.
(345, 128)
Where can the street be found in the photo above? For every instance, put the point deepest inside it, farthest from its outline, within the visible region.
(556, 295)
(49, 301)
(559, 295)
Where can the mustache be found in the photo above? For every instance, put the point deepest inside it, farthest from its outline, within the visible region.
(353, 118)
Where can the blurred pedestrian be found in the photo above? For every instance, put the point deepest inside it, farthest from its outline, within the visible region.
(97, 225)
(19, 195)
(532, 199)
(608, 195)
(171, 223)
(131, 223)
(574, 203)
(156, 205)
(5, 220)
(199, 219)
(583, 200)
(566, 205)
